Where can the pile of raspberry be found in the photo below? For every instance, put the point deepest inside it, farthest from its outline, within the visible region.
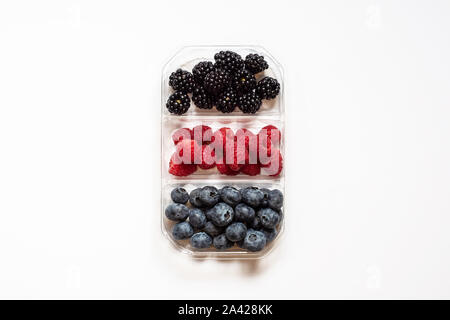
(230, 152)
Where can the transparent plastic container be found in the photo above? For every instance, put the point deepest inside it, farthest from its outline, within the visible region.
(271, 113)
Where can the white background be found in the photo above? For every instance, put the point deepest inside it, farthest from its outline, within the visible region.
(367, 99)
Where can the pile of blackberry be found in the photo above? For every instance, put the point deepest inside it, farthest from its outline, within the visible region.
(227, 84)
(249, 217)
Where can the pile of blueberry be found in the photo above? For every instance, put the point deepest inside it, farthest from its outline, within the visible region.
(248, 217)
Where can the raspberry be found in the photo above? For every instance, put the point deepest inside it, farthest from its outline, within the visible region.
(180, 134)
(247, 136)
(208, 158)
(188, 146)
(240, 157)
(181, 170)
(220, 139)
(269, 131)
(224, 169)
(274, 166)
(202, 134)
(251, 169)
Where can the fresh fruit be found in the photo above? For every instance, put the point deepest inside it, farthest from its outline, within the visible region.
(274, 165)
(223, 223)
(209, 196)
(270, 234)
(272, 134)
(201, 240)
(249, 102)
(188, 152)
(227, 101)
(182, 230)
(200, 71)
(254, 240)
(180, 169)
(178, 103)
(221, 214)
(202, 99)
(268, 217)
(208, 157)
(228, 83)
(194, 198)
(244, 213)
(255, 63)
(202, 134)
(182, 80)
(216, 81)
(182, 134)
(221, 242)
(275, 199)
(229, 61)
(244, 81)
(255, 223)
(179, 195)
(252, 196)
(177, 212)
(211, 229)
(197, 218)
(236, 231)
(267, 88)
(225, 169)
(230, 195)
(251, 169)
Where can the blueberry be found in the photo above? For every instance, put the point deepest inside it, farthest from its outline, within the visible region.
(255, 223)
(268, 217)
(194, 198)
(254, 240)
(177, 212)
(221, 215)
(197, 218)
(230, 195)
(275, 199)
(244, 213)
(265, 200)
(179, 195)
(182, 230)
(201, 240)
(270, 234)
(236, 231)
(211, 229)
(221, 242)
(252, 196)
(209, 196)
(240, 244)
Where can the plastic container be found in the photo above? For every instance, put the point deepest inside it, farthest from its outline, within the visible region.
(271, 113)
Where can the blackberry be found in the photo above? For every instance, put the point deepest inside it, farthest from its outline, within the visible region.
(227, 101)
(267, 88)
(178, 103)
(182, 80)
(255, 63)
(202, 99)
(244, 81)
(229, 61)
(249, 102)
(216, 81)
(201, 69)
